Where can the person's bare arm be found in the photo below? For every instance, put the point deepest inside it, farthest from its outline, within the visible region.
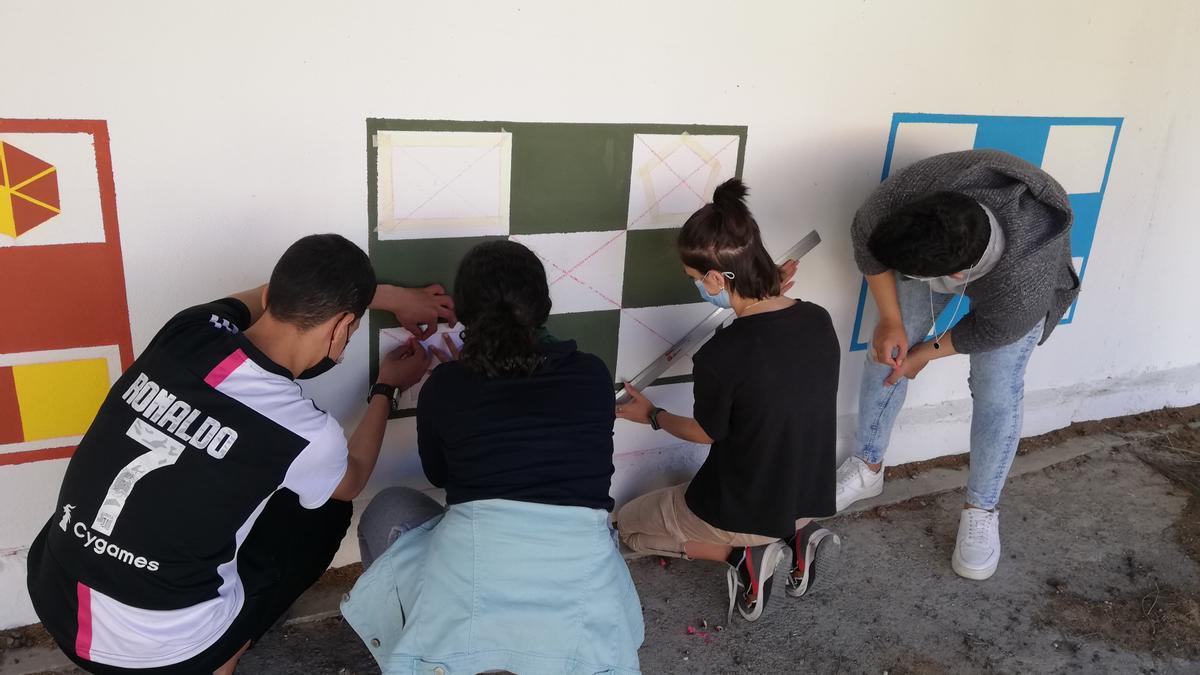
(403, 367)
(683, 428)
(417, 309)
(889, 345)
(920, 356)
(253, 300)
(638, 410)
(364, 445)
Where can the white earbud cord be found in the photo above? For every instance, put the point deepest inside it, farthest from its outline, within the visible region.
(937, 338)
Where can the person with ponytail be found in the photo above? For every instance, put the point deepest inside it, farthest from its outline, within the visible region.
(520, 571)
(765, 400)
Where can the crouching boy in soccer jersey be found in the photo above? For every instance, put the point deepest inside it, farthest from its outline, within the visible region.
(209, 493)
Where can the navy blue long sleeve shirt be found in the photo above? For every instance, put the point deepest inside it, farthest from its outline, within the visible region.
(546, 438)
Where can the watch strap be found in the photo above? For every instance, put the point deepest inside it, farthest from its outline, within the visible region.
(388, 390)
(654, 419)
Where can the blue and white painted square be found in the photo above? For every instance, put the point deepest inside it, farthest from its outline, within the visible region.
(1077, 151)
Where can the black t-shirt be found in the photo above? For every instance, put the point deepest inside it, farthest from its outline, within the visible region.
(766, 393)
(546, 438)
(167, 483)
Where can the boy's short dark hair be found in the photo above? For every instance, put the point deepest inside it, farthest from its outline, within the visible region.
(937, 235)
(318, 278)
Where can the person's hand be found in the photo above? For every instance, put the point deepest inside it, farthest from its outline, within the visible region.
(637, 409)
(918, 358)
(417, 309)
(786, 271)
(405, 365)
(451, 353)
(889, 339)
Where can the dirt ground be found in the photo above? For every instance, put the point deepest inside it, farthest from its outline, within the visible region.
(1101, 574)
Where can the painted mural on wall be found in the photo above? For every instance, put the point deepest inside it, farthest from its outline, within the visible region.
(600, 204)
(62, 285)
(1076, 151)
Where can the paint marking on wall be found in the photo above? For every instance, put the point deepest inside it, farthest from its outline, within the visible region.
(63, 301)
(1077, 151)
(600, 204)
(28, 191)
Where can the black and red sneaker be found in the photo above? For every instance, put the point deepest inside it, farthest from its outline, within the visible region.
(750, 577)
(814, 549)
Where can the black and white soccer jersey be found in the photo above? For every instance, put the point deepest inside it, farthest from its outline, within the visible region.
(166, 485)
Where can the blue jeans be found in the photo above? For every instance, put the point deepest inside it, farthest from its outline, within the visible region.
(391, 513)
(997, 382)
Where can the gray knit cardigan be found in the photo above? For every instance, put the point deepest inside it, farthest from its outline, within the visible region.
(1034, 278)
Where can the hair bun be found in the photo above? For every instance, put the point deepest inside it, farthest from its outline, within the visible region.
(729, 201)
(731, 193)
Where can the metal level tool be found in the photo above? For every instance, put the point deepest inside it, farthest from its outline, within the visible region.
(696, 336)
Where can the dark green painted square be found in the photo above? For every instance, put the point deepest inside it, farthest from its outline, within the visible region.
(565, 178)
(414, 263)
(420, 262)
(594, 333)
(653, 274)
(570, 178)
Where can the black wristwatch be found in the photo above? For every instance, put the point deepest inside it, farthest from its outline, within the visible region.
(654, 419)
(392, 392)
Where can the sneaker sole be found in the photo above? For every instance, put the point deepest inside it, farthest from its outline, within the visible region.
(771, 559)
(824, 560)
(973, 573)
(866, 494)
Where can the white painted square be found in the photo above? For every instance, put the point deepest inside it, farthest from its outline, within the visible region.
(1077, 156)
(918, 140)
(675, 174)
(435, 184)
(80, 219)
(647, 332)
(630, 438)
(391, 338)
(585, 270)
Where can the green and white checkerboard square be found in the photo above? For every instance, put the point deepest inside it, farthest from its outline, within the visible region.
(600, 204)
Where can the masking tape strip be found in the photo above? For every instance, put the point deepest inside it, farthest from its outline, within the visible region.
(392, 227)
(693, 143)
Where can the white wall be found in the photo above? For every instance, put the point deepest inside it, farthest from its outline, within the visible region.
(238, 127)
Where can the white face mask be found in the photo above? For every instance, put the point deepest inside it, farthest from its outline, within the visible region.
(915, 278)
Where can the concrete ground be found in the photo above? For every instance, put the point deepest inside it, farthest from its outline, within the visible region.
(1101, 573)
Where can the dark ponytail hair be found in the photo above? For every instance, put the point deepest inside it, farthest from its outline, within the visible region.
(501, 296)
(723, 236)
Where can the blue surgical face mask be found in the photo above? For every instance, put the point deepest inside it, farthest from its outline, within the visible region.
(720, 299)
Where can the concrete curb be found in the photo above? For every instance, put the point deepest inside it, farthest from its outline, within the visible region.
(939, 480)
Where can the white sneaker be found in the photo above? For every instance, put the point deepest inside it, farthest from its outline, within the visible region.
(855, 481)
(977, 552)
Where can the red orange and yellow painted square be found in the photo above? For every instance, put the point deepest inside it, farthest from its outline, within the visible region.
(62, 285)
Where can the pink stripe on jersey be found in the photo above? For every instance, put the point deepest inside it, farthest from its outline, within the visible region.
(83, 637)
(224, 368)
